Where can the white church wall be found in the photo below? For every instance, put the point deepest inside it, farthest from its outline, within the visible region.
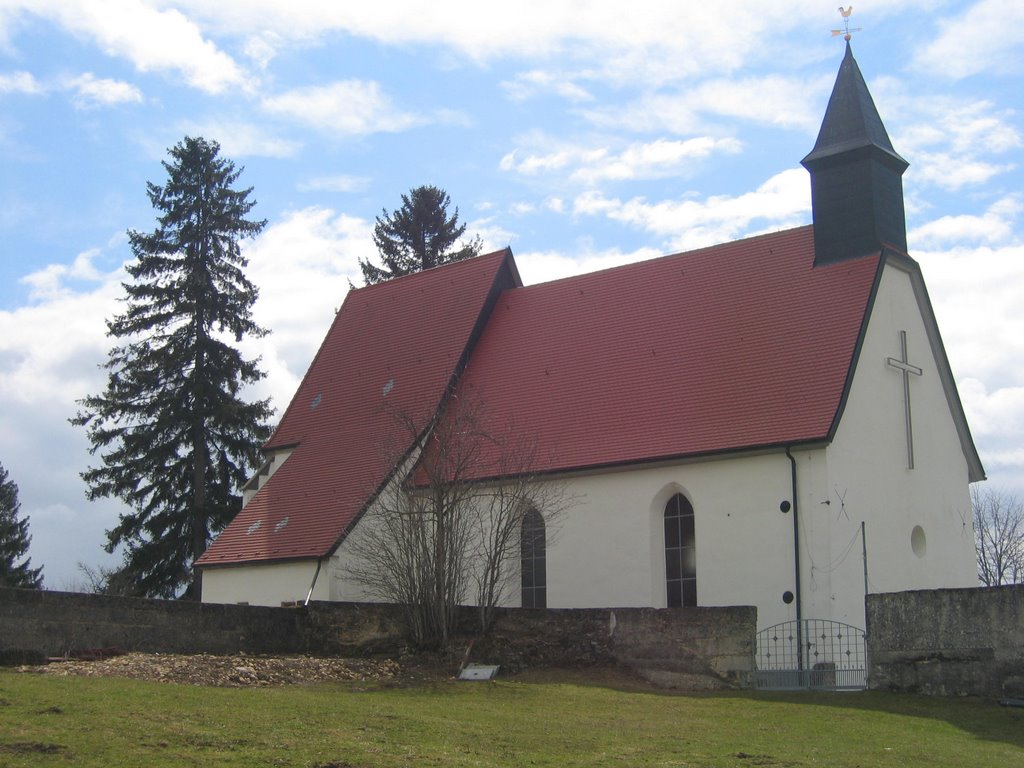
(868, 475)
(269, 584)
(609, 551)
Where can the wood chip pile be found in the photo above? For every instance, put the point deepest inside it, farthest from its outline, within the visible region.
(224, 671)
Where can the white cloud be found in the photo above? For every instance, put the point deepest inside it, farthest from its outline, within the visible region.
(953, 173)
(955, 143)
(51, 350)
(92, 91)
(346, 108)
(20, 82)
(527, 85)
(303, 265)
(542, 266)
(338, 183)
(239, 138)
(782, 201)
(770, 100)
(152, 40)
(51, 282)
(656, 159)
(976, 295)
(641, 160)
(995, 226)
(984, 38)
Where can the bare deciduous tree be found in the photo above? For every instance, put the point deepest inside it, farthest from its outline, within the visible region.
(998, 536)
(450, 522)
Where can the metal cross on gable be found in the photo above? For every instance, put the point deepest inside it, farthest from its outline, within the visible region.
(904, 366)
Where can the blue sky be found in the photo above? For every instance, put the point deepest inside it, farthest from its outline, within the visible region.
(583, 134)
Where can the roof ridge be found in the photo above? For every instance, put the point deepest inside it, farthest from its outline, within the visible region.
(503, 252)
(692, 251)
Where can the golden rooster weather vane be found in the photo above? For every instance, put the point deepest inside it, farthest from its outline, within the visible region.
(845, 31)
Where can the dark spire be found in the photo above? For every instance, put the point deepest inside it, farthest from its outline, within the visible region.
(856, 175)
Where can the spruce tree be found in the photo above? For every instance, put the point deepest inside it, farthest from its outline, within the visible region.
(175, 435)
(14, 540)
(417, 236)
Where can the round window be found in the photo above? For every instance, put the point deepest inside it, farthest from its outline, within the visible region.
(918, 541)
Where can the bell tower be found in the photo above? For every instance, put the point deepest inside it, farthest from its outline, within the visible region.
(856, 175)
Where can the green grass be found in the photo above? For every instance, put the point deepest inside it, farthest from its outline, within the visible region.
(55, 721)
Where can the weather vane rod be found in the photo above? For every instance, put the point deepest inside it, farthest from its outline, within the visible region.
(846, 32)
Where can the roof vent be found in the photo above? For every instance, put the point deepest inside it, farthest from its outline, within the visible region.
(315, 402)
(280, 524)
(252, 528)
(388, 387)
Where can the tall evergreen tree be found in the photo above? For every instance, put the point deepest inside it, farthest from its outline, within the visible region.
(417, 236)
(14, 540)
(175, 436)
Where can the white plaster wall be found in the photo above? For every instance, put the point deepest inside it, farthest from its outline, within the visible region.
(610, 549)
(868, 477)
(270, 584)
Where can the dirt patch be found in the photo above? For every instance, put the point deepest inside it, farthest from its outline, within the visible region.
(237, 671)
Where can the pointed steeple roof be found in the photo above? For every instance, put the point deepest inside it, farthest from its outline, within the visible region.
(851, 118)
(856, 175)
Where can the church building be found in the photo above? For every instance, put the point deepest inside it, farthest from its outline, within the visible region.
(768, 422)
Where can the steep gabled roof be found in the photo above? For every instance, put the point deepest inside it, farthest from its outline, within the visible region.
(737, 347)
(396, 345)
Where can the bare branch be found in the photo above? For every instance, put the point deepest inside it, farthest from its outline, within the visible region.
(999, 536)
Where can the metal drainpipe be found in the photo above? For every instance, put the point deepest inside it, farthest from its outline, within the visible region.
(309, 595)
(796, 564)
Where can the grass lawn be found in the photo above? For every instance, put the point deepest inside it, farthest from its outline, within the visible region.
(551, 721)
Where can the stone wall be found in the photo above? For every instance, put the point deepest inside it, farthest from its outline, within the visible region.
(677, 646)
(948, 641)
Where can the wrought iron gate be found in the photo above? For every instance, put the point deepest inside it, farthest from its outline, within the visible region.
(810, 654)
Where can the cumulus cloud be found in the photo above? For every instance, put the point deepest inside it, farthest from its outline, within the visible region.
(302, 265)
(984, 38)
(92, 91)
(51, 350)
(241, 138)
(20, 82)
(527, 85)
(995, 226)
(771, 100)
(153, 40)
(975, 291)
(542, 266)
(345, 108)
(651, 34)
(648, 160)
(781, 201)
(955, 143)
(338, 183)
(55, 280)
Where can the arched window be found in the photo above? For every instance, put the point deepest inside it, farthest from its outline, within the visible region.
(535, 581)
(680, 553)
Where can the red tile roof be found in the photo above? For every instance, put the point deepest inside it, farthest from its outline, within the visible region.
(392, 345)
(729, 348)
(738, 346)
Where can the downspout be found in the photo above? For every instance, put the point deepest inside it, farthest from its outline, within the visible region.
(309, 595)
(796, 564)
